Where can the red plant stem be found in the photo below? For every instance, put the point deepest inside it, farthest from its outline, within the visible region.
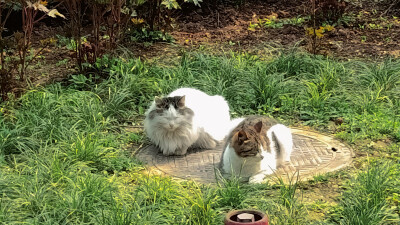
(155, 12)
(28, 17)
(115, 24)
(28, 21)
(2, 24)
(314, 37)
(1, 36)
(96, 26)
(74, 9)
(36, 55)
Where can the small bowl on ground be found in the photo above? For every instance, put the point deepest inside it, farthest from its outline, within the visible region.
(246, 217)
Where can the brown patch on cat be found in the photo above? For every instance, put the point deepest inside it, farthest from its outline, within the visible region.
(181, 102)
(258, 126)
(158, 101)
(250, 134)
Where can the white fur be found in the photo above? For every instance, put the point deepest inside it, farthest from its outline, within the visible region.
(211, 112)
(257, 167)
(284, 138)
(234, 123)
(174, 134)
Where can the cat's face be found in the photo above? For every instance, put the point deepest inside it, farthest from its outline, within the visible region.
(171, 112)
(247, 141)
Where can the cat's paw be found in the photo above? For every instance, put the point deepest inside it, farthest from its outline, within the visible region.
(168, 152)
(257, 179)
(180, 151)
(212, 144)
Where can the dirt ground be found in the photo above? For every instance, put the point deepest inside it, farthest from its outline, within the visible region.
(368, 30)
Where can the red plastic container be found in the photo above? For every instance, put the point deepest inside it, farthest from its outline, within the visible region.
(259, 218)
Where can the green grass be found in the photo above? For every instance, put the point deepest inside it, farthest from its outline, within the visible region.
(366, 199)
(65, 156)
(232, 192)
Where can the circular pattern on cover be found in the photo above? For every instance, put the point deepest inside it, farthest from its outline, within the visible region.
(313, 154)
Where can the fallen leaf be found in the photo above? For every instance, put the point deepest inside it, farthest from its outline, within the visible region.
(395, 53)
(54, 13)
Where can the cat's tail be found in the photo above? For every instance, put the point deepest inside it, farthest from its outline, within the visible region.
(284, 139)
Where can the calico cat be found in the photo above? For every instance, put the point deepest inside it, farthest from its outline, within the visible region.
(187, 118)
(256, 147)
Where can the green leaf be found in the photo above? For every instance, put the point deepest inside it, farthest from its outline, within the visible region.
(170, 4)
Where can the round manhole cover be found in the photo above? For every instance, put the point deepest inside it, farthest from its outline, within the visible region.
(313, 154)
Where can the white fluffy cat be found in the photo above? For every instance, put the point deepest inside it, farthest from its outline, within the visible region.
(187, 118)
(256, 147)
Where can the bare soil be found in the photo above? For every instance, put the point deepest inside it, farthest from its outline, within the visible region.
(369, 31)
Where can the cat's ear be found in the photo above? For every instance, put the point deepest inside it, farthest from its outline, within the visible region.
(181, 102)
(258, 126)
(242, 137)
(158, 100)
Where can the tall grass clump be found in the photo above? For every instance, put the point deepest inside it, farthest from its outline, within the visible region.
(289, 209)
(294, 64)
(231, 190)
(366, 199)
(270, 89)
(131, 214)
(376, 126)
(129, 88)
(4, 211)
(375, 84)
(321, 98)
(282, 202)
(203, 204)
(97, 151)
(373, 90)
(382, 76)
(157, 189)
(84, 195)
(11, 138)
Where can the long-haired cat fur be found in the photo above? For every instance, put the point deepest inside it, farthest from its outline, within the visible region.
(255, 147)
(187, 117)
